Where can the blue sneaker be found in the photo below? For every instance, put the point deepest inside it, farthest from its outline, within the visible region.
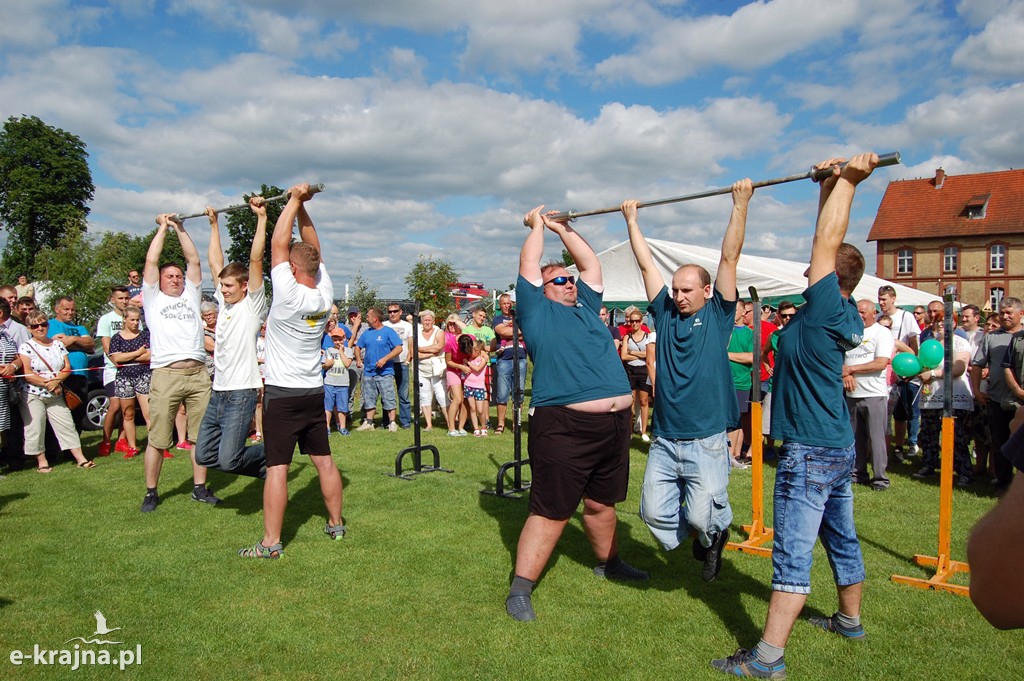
(745, 663)
(344, 431)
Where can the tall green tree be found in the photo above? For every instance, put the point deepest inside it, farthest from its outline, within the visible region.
(45, 188)
(428, 283)
(365, 294)
(241, 228)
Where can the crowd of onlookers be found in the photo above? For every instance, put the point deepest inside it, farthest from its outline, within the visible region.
(466, 365)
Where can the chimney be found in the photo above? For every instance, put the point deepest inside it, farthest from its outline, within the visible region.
(940, 177)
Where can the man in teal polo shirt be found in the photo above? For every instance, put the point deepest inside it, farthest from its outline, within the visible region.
(579, 412)
(813, 492)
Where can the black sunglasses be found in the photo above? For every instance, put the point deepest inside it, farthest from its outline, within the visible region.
(39, 326)
(561, 281)
(393, 311)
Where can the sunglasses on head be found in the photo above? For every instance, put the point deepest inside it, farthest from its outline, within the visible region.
(560, 281)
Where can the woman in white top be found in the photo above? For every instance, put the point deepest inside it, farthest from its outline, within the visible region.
(432, 369)
(633, 351)
(46, 367)
(932, 404)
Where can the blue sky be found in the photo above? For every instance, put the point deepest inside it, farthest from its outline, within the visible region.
(436, 125)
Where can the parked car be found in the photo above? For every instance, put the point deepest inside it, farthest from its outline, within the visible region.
(96, 402)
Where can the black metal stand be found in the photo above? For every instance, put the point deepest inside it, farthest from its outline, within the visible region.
(417, 447)
(516, 465)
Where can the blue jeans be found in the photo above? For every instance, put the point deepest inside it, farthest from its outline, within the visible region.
(379, 386)
(223, 431)
(503, 380)
(402, 372)
(814, 498)
(686, 487)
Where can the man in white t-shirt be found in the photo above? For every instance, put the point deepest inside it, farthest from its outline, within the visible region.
(294, 395)
(401, 367)
(109, 324)
(905, 395)
(236, 377)
(867, 396)
(170, 297)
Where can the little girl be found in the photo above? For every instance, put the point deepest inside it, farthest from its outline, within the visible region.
(475, 386)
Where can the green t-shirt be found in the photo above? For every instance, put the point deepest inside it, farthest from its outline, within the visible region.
(742, 340)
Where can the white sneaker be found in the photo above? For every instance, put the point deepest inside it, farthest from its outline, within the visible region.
(453, 433)
(393, 427)
(737, 464)
(462, 432)
(645, 437)
(365, 425)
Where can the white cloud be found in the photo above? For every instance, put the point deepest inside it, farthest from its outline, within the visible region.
(755, 36)
(998, 50)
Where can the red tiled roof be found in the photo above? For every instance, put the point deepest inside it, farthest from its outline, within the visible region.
(916, 208)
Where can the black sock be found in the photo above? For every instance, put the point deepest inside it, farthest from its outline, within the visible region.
(199, 488)
(151, 490)
(521, 586)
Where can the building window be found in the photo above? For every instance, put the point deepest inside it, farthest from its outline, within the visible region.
(904, 261)
(950, 258)
(995, 297)
(997, 258)
(975, 208)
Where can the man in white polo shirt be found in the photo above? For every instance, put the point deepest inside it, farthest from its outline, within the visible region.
(170, 297)
(293, 403)
(867, 396)
(236, 377)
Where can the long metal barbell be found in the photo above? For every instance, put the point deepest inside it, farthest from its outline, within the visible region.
(814, 174)
(313, 189)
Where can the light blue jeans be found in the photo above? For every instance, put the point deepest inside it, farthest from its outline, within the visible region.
(686, 488)
(814, 498)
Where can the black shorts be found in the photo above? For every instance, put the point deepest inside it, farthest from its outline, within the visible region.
(576, 454)
(293, 416)
(743, 400)
(637, 376)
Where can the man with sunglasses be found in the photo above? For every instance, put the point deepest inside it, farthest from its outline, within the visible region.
(401, 367)
(687, 477)
(79, 345)
(579, 412)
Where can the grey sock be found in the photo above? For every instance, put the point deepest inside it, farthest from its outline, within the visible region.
(768, 653)
(847, 621)
(521, 585)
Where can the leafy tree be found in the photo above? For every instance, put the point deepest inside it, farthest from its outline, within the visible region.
(77, 267)
(428, 282)
(567, 258)
(241, 228)
(365, 293)
(45, 186)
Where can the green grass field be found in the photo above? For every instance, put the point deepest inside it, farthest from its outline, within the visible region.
(417, 588)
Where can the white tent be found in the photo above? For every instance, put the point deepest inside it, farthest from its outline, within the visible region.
(773, 278)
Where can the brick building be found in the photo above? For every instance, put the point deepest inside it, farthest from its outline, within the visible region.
(966, 230)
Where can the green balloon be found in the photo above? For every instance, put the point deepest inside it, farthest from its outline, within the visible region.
(931, 353)
(906, 364)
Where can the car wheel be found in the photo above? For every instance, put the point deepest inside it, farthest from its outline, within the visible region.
(96, 409)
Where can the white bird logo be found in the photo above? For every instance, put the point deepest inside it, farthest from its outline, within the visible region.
(101, 625)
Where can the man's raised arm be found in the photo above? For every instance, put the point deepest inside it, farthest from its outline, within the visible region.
(732, 242)
(282, 237)
(214, 254)
(533, 247)
(151, 270)
(834, 202)
(653, 281)
(259, 243)
(582, 254)
(193, 267)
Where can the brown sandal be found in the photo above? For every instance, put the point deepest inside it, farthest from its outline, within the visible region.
(87, 464)
(499, 430)
(44, 469)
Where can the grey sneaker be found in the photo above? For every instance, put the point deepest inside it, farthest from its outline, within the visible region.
(520, 608)
(335, 531)
(365, 425)
(832, 624)
(622, 572)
